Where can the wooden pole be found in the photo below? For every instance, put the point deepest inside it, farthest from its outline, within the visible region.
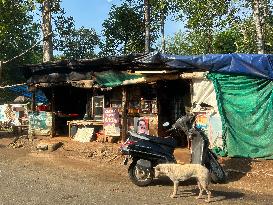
(31, 132)
(124, 114)
(33, 101)
(53, 112)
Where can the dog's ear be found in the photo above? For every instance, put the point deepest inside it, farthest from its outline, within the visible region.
(157, 168)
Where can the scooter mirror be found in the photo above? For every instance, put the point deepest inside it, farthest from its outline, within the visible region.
(166, 124)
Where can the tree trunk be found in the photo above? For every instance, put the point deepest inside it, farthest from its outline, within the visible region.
(162, 25)
(147, 9)
(258, 19)
(125, 46)
(1, 70)
(209, 41)
(47, 31)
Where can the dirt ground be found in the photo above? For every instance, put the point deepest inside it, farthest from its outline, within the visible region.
(252, 175)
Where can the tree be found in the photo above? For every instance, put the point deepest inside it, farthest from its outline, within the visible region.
(160, 10)
(74, 43)
(123, 31)
(47, 30)
(147, 13)
(18, 32)
(191, 43)
(204, 17)
(255, 25)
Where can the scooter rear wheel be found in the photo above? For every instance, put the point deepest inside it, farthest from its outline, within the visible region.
(140, 176)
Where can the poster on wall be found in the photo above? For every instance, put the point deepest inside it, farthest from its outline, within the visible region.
(12, 114)
(141, 125)
(215, 131)
(111, 121)
(201, 121)
(211, 124)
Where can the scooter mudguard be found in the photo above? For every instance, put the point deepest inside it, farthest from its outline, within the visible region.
(144, 163)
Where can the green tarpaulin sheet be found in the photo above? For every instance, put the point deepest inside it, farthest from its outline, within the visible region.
(246, 107)
(115, 78)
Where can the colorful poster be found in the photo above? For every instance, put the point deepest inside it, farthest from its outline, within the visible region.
(13, 114)
(111, 121)
(202, 121)
(141, 125)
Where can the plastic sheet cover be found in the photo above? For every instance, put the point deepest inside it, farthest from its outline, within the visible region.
(246, 106)
(259, 65)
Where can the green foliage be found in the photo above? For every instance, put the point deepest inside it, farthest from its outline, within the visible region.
(74, 43)
(123, 31)
(18, 32)
(214, 26)
(226, 41)
(192, 43)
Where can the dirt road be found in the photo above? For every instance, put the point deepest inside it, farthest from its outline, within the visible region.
(51, 178)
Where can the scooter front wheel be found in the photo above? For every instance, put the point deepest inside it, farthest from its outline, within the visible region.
(139, 175)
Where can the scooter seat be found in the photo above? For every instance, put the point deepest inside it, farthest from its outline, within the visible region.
(168, 141)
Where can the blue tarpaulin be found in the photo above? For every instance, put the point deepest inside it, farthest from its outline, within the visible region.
(258, 65)
(23, 90)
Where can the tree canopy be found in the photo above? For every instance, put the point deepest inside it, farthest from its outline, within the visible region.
(123, 31)
(18, 32)
(73, 43)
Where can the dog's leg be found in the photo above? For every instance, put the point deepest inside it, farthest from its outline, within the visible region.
(175, 188)
(205, 186)
(209, 195)
(200, 190)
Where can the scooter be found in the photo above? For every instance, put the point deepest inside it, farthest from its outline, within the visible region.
(147, 151)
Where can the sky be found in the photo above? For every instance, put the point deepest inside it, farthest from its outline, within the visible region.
(92, 13)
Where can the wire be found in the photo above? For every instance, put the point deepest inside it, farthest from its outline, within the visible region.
(23, 53)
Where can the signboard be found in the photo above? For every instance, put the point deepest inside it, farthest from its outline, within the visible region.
(40, 122)
(111, 121)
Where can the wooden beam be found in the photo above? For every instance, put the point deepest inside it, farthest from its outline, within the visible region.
(124, 103)
(194, 75)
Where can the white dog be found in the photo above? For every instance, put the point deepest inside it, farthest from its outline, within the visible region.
(178, 172)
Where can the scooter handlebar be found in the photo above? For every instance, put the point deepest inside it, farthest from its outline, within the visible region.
(170, 130)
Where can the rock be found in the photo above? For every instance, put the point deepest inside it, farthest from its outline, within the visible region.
(54, 146)
(50, 146)
(42, 147)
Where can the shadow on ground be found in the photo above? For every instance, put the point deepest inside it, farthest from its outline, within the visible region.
(237, 168)
(185, 192)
